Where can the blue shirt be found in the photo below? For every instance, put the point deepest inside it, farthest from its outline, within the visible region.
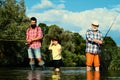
(91, 46)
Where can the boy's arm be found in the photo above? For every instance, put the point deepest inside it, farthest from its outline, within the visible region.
(59, 50)
(50, 46)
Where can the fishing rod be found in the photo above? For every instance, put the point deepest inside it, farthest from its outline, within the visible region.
(101, 46)
(111, 25)
(12, 40)
(24, 41)
(105, 65)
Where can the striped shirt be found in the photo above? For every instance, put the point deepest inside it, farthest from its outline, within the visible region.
(34, 33)
(91, 46)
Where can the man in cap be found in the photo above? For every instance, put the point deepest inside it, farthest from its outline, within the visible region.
(93, 41)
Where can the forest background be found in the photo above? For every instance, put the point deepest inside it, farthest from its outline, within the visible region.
(13, 51)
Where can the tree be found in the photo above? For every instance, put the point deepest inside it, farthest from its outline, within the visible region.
(114, 64)
(13, 24)
(67, 41)
(44, 28)
(108, 50)
(79, 43)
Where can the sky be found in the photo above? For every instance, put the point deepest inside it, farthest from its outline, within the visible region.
(77, 15)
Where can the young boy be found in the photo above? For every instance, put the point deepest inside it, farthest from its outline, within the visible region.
(56, 53)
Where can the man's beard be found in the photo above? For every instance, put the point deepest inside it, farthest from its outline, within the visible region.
(33, 26)
(95, 30)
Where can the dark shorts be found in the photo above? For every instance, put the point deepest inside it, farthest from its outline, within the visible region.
(57, 63)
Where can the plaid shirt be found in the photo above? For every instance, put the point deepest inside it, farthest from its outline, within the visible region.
(91, 46)
(34, 33)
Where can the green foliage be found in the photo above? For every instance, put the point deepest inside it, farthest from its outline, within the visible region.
(13, 24)
(109, 42)
(115, 63)
(79, 43)
(69, 58)
(110, 54)
(44, 28)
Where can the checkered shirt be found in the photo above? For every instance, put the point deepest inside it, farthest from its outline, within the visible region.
(34, 33)
(91, 46)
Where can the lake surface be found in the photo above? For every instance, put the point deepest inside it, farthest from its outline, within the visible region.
(67, 73)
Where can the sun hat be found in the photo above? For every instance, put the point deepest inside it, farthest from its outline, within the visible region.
(95, 23)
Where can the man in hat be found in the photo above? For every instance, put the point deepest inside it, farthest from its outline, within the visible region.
(33, 37)
(93, 41)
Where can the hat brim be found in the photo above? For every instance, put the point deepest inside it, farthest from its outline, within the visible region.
(95, 25)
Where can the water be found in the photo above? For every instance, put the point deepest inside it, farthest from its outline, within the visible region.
(67, 73)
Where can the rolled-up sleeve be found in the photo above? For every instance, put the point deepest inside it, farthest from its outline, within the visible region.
(27, 37)
(40, 34)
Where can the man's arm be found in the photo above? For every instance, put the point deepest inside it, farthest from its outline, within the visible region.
(98, 41)
(39, 35)
(88, 36)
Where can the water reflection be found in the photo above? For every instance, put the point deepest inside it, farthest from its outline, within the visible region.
(93, 75)
(65, 74)
(34, 75)
(56, 76)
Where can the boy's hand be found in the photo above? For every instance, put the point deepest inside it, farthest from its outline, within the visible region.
(51, 42)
